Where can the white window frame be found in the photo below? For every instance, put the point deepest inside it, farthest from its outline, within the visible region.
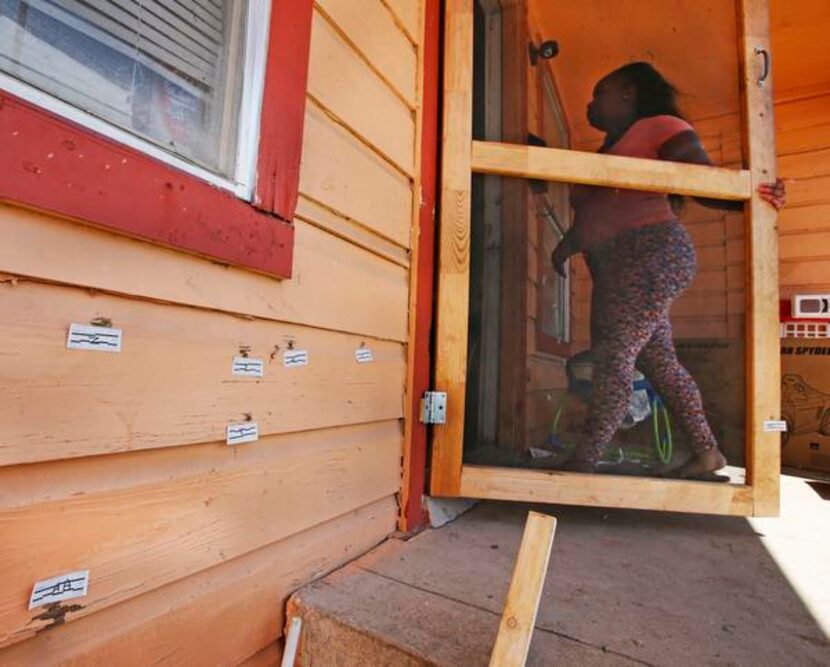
(254, 60)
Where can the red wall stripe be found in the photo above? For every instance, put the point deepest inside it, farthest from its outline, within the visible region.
(413, 511)
(281, 127)
(51, 164)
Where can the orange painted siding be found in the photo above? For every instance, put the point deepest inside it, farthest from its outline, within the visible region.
(117, 462)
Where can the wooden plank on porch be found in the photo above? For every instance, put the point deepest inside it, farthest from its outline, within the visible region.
(566, 488)
(556, 164)
(764, 374)
(519, 617)
(454, 246)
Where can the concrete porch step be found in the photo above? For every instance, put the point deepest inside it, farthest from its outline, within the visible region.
(623, 588)
(357, 617)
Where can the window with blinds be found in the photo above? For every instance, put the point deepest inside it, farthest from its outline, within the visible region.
(169, 71)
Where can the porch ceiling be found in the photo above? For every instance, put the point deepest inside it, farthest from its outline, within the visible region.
(693, 42)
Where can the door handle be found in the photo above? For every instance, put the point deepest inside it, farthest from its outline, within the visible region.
(761, 51)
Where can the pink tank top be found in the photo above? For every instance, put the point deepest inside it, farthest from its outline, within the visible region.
(603, 213)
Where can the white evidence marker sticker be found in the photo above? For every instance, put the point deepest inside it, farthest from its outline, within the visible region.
(364, 355)
(775, 426)
(248, 367)
(293, 358)
(65, 587)
(88, 337)
(243, 432)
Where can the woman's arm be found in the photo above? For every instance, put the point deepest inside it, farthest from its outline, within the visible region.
(686, 147)
(565, 249)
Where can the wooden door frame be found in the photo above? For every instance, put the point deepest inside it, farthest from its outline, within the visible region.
(462, 156)
(545, 343)
(421, 272)
(491, 271)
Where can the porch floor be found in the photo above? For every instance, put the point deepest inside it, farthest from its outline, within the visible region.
(624, 587)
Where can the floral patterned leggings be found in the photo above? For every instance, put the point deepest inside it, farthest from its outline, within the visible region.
(636, 278)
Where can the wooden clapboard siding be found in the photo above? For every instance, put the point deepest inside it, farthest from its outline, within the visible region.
(245, 596)
(230, 502)
(340, 171)
(322, 292)
(372, 29)
(171, 384)
(117, 462)
(406, 14)
(342, 82)
(804, 226)
(270, 656)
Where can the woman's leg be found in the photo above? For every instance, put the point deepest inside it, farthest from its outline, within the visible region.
(623, 329)
(675, 385)
(635, 282)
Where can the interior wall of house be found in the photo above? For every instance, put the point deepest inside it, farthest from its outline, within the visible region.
(117, 463)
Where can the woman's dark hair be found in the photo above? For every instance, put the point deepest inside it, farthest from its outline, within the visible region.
(655, 95)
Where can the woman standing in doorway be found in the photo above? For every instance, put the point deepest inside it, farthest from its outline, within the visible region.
(641, 259)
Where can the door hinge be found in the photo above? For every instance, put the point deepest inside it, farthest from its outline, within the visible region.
(434, 407)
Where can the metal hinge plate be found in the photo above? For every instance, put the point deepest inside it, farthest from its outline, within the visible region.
(434, 407)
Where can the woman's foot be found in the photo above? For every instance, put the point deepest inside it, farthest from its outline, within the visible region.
(703, 463)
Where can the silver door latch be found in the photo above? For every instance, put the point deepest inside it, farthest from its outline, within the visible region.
(434, 407)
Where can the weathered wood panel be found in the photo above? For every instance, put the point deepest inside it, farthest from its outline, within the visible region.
(136, 538)
(341, 81)
(172, 383)
(345, 228)
(803, 144)
(371, 28)
(408, 15)
(341, 172)
(222, 615)
(193, 546)
(335, 285)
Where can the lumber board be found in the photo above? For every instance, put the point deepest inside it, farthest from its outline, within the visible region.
(408, 16)
(802, 139)
(522, 604)
(344, 174)
(270, 656)
(171, 385)
(807, 274)
(605, 491)
(811, 164)
(371, 28)
(343, 83)
(513, 230)
(222, 615)
(802, 113)
(808, 191)
(814, 218)
(763, 349)
(814, 246)
(454, 246)
(323, 292)
(347, 229)
(556, 164)
(136, 538)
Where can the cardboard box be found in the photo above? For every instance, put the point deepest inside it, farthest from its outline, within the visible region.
(805, 403)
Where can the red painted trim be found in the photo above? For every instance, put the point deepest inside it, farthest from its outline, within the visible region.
(413, 512)
(53, 165)
(281, 126)
(785, 312)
